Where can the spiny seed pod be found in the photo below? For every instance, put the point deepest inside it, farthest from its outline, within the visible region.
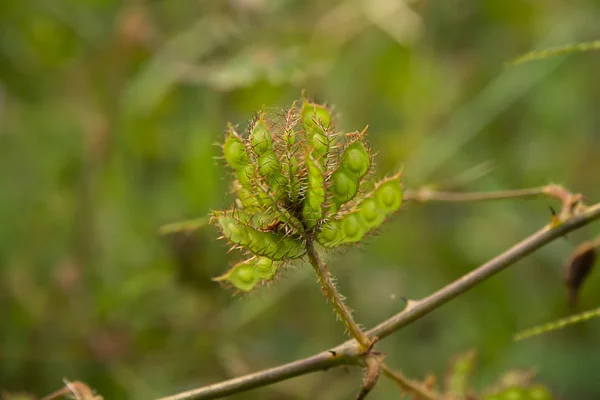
(316, 121)
(312, 209)
(247, 274)
(368, 215)
(353, 167)
(293, 185)
(275, 246)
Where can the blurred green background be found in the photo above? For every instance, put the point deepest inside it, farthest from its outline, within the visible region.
(109, 116)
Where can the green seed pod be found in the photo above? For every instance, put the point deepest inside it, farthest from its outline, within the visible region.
(260, 137)
(236, 227)
(369, 214)
(315, 114)
(312, 210)
(330, 235)
(356, 160)
(345, 181)
(246, 274)
(343, 189)
(316, 120)
(235, 151)
(388, 194)
(268, 163)
(242, 276)
(247, 200)
(270, 167)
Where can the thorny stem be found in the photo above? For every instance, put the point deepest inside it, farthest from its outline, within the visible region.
(332, 294)
(410, 386)
(350, 352)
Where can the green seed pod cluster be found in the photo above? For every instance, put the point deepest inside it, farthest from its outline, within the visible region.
(297, 179)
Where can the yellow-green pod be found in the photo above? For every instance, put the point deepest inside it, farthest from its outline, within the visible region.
(242, 276)
(234, 150)
(269, 165)
(330, 235)
(248, 200)
(246, 274)
(369, 214)
(312, 206)
(316, 120)
(345, 181)
(239, 230)
(260, 137)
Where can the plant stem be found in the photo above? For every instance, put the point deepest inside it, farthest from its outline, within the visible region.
(409, 386)
(331, 293)
(350, 352)
(425, 194)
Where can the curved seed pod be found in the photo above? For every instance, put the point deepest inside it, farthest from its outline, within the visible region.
(246, 274)
(346, 179)
(235, 151)
(260, 137)
(312, 207)
(291, 159)
(316, 120)
(369, 214)
(242, 276)
(247, 200)
(269, 165)
(240, 232)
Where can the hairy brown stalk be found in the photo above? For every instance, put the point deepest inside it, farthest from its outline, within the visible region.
(332, 294)
(350, 352)
(425, 194)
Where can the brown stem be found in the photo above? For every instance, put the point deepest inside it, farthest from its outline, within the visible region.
(332, 294)
(425, 194)
(350, 352)
(373, 365)
(409, 386)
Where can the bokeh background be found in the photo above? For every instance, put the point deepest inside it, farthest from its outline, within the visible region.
(109, 115)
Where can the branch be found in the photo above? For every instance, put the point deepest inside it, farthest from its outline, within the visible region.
(350, 352)
(425, 194)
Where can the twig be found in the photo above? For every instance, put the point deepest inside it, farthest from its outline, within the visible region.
(410, 386)
(350, 351)
(426, 194)
(332, 294)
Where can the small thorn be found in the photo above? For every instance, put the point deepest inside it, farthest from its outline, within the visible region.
(333, 352)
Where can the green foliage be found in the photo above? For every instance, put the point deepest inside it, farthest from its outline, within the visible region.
(582, 47)
(536, 392)
(290, 176)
